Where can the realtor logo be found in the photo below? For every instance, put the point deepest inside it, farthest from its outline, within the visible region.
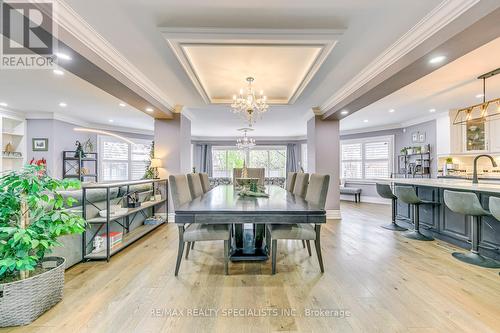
(27, 30)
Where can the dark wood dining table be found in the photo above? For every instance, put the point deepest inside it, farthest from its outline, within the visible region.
(249, 215)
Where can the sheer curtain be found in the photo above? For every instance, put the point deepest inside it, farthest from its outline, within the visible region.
(203, 158)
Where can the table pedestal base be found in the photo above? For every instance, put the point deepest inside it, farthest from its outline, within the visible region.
(248, 243)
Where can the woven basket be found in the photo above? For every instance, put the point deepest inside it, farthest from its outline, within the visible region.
(23, 301)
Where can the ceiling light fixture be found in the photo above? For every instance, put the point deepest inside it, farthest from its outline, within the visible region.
(122, 105)
(63, 56)
(432, 110)
(149, 109)
(248, 105)
(111, 120)
(245, 142)
(344, 112)
(63, 105)
(437, 60)
(365, 121)
(391, 110)
(479, 95)
(4, 104)
(80, 129)
(58, 72)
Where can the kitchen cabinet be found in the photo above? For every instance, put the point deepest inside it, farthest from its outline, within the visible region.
(494, 137)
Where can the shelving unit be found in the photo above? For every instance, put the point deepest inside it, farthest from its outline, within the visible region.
(14, 133)
(73, 166)
(96, 223)
(415, 165)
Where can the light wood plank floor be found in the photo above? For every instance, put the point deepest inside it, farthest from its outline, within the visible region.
(383, 282)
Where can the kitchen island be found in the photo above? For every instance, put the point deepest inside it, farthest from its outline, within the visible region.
(440, 222)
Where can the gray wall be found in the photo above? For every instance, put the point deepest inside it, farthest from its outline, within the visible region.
(61, 137)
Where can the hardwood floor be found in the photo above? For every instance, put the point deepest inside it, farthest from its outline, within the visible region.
(383, 281)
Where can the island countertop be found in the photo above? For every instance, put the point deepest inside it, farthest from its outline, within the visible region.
(483, 186)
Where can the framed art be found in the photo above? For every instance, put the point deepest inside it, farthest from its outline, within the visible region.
(40, 144)
(414, 137)
(421, 137)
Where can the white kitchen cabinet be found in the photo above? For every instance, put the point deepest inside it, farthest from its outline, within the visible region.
(494, 135)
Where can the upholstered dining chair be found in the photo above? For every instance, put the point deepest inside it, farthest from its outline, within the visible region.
(316, 195)
(205, 183)
(252, 173)
(195, 232)
(195, 186)
(301, 182)
(290, 181)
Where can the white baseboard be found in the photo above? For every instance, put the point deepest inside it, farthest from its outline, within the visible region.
(368, 199)
(333, 214)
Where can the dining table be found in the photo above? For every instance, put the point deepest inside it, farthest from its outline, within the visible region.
(249, 215)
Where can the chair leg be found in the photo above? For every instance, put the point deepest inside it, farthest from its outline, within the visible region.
(187, 249)
(192, 245)
(317, 242)
(226, 257)
(304, 244)
(180, 250)
(308, 247)
(268, 240)
(273, 251)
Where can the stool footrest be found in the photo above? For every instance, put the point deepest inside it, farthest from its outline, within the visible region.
(476, 259)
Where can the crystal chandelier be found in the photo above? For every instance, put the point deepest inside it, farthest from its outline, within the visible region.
(245, 142)
(248, 104)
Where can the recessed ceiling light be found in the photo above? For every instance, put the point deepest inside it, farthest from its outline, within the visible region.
(149, 109)
(391, 110)
(437, 60)
(432, 110)
(122, 105)
(63, 56)
(344, 112)
(4, 104)
(58, 72)
(479, 95)
(365, 121)
(63, 105)
(111, 120)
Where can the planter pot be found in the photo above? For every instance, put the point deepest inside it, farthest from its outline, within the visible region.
(23, 301)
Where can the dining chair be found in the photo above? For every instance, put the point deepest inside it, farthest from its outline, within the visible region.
(301, 182)
(195, 186)
(317, 192)
(290, 181)
(195, 232)
(205, 183)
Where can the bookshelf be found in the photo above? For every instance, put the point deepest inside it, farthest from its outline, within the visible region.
(13, 142)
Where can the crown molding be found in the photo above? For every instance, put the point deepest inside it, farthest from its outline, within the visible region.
(371, 129)
(176, 38)
(439, 17)
(82, 123)
(68, 19)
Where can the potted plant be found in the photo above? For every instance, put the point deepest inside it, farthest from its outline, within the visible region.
(449, 163)
(32, 216)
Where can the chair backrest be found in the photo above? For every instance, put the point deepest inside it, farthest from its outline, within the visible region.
(301, 181)
(465, 203)
(195, 187)
(252, 173)
(495, 207)
(385, 191)
(290, 181)
(407, 195)
(205, 183)
(317, 190)
(179, 189)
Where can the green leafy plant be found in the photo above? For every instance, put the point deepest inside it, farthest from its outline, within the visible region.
(449, 160)
(32, 216)
(150, 172)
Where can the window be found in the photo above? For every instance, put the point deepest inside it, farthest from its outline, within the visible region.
(121, 160)
(367, 158)
(225, 159)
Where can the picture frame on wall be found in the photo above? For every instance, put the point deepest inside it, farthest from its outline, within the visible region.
(40, 144)
(414, 137)
(421, 137)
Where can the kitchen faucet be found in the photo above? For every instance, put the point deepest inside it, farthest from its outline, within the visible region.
(474, 176)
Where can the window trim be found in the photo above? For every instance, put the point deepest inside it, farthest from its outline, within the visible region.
(363, 141)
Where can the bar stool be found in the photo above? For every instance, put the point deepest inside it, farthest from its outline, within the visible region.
(495, 207)
(385, 191)
(467, 203)
(408, 195)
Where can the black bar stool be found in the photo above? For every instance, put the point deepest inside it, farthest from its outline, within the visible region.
(385, 191)
(408, 195)
(467, 203)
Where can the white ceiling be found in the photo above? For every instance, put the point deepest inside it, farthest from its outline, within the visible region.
(278, 70)
(38, 91)
(133, 28)
(452, 86)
